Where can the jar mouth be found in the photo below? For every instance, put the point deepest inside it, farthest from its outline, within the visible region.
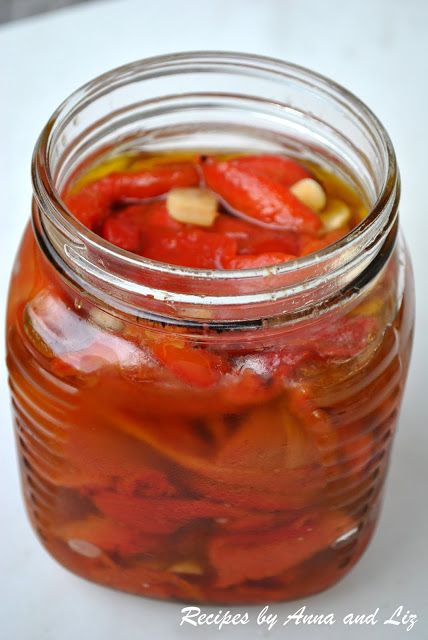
(114, 276)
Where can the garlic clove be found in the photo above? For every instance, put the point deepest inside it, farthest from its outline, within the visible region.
(105, 320)
(310, 192)
(187, 566)
(192, 205)
(336, 215)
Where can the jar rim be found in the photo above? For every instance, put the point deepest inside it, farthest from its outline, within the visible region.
(49, 203)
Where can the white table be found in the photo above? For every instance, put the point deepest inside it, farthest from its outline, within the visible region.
(376, 48)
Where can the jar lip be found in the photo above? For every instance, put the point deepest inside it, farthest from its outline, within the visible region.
(45, 190)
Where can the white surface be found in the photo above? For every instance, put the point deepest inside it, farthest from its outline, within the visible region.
(376, 48)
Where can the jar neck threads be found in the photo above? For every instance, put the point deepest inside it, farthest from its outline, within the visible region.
(212, 100)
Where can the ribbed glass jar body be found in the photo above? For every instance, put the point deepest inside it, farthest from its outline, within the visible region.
(196, 435)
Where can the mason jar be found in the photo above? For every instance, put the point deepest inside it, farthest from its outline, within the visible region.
(252, 468)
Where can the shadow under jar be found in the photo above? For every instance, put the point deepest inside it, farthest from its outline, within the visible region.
(264, 481)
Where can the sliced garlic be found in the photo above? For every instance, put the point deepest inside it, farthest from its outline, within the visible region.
(187, 566)
(310, 192)
(370, 307)
(192, 205)
(105, 320)
(336, 215)
(85, 548)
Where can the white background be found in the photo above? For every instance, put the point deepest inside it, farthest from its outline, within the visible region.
(377, 49)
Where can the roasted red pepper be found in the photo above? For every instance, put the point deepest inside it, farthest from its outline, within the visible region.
(158, 515)
(189, 248)
(258, 197)
(122, 232)
(260, 260)
(137, 185)
(311, 245)
(286, 171)
(196, 367)
(252, 239)
(92, 204)
(241, 557)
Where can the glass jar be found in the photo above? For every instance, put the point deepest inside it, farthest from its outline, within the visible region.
(251, 468)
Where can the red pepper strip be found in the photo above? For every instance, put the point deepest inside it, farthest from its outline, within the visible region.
(283, 362)
(252, 238)
(196, 367)
(126, 229)
(121, 355)
(283, 242)
(50, 323)
(258, 197)
(317, 424)
(150, 483)
(84, 361)
(175, 438)
(246, 388)
(261, 260)
(109, 536)
(148, 183)
(283, 170)
(104, 454)
(92, 204)
(238, 557)
(122, 232)
(292, 487)
(311, 245)
(344, 337)
(303, 488)
(151, 215)
(269, 462)
(263, 450)
(89, 207)
(236, 228)
(189, 248)
(313, 576)
(159, 515)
